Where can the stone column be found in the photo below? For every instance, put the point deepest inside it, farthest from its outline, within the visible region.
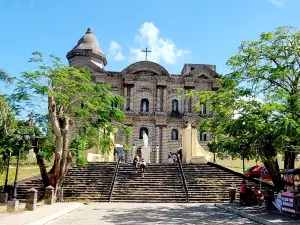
(165, 103)
(157, 154)
(133, 151)
(31, 199)
(49, 195)
(131, 98)
(129, 153)
(164, 147)
(157, 135)
(186, 102)
(158, 99)
(126, 97)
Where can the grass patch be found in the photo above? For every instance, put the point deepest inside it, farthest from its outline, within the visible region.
(236, 169)
(24, 172)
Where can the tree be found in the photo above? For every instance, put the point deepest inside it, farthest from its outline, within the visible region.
(270, 68)
(77, 109)
(7, 121)
(244, 126)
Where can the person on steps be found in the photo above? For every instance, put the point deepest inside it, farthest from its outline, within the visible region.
(179, 153)
(243, 191)
(143, 166)
(170, 160)
(135, 163)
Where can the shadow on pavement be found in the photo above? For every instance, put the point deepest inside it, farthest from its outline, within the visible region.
(181, 214)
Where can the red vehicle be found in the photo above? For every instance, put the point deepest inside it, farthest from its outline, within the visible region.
(257, 172)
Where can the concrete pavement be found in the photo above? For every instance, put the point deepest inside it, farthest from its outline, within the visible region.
(42, 215)
(260, 214)
(149, 214)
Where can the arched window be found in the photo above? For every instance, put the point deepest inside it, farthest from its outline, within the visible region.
(203, 109)
(174, 105)
(174, 134)
(113, 105)
(142, 131)
(202, 136)
(144, 105)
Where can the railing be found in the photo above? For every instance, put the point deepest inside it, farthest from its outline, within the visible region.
(114, 178)
(183, 179)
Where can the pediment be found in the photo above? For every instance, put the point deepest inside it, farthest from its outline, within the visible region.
(92, 67)
(145, 73)
(203, 76)
(202, 72)
(145, 66)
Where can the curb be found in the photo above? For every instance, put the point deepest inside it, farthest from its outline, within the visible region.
(57, 215)
(246, 215)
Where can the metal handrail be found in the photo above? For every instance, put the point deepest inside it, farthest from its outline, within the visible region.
(183, 179)
(114, 178)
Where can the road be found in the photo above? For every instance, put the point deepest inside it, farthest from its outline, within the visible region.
(148, 214)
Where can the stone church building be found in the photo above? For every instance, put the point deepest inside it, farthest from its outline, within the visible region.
(153, 103)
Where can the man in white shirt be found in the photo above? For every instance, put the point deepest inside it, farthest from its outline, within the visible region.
(143, 166)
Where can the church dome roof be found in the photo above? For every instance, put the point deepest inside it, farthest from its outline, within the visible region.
(146, 66)
(88, 45)
(88, 41)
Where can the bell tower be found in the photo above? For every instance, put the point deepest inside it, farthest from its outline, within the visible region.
(87, 50)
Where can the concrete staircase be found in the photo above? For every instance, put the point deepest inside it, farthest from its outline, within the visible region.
(89, 183)
(161, 183)
(24, 185)
(208, 183)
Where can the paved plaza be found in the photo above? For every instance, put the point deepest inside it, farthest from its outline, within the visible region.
(149, 213)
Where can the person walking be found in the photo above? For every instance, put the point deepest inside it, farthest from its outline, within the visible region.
(179, 153)
(243, 191)
(135, 163)
(143, 166)
(170, 160)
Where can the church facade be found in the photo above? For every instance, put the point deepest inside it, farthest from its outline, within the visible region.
(153, 103)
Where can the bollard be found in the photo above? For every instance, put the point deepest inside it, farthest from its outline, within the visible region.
(232, 194)
(3, 197)
(31, 199)
(49, 195)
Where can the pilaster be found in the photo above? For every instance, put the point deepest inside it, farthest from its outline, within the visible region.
(158, 99)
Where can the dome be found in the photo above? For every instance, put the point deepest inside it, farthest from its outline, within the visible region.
(88, 41)
(87, 46)
(146, 66)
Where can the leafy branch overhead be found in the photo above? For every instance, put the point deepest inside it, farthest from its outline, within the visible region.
(256, 111)
(80, 112)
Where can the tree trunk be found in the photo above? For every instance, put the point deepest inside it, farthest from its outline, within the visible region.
(271, 164)
(41, 163)
(61, 125)
(289, 160)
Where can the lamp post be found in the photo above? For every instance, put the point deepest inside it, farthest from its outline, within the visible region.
(20, 138)
(7, 171)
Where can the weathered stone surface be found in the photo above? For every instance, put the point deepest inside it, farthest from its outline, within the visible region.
(31, 199)
(3, 197)
(49, 195)
(12, 205)
(149, 80)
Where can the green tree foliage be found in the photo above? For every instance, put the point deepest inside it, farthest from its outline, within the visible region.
(80, 112)
(270, 67)
(7, 122)
(267, 69)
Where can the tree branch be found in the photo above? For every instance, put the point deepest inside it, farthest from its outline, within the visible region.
(53, 116)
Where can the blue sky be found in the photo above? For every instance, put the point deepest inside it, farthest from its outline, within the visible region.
(178, 31)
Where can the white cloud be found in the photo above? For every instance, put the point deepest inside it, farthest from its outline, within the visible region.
(278, 3)
(161, 48)
(115, 50)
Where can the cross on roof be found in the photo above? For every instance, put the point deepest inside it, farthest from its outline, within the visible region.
(146, 51)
